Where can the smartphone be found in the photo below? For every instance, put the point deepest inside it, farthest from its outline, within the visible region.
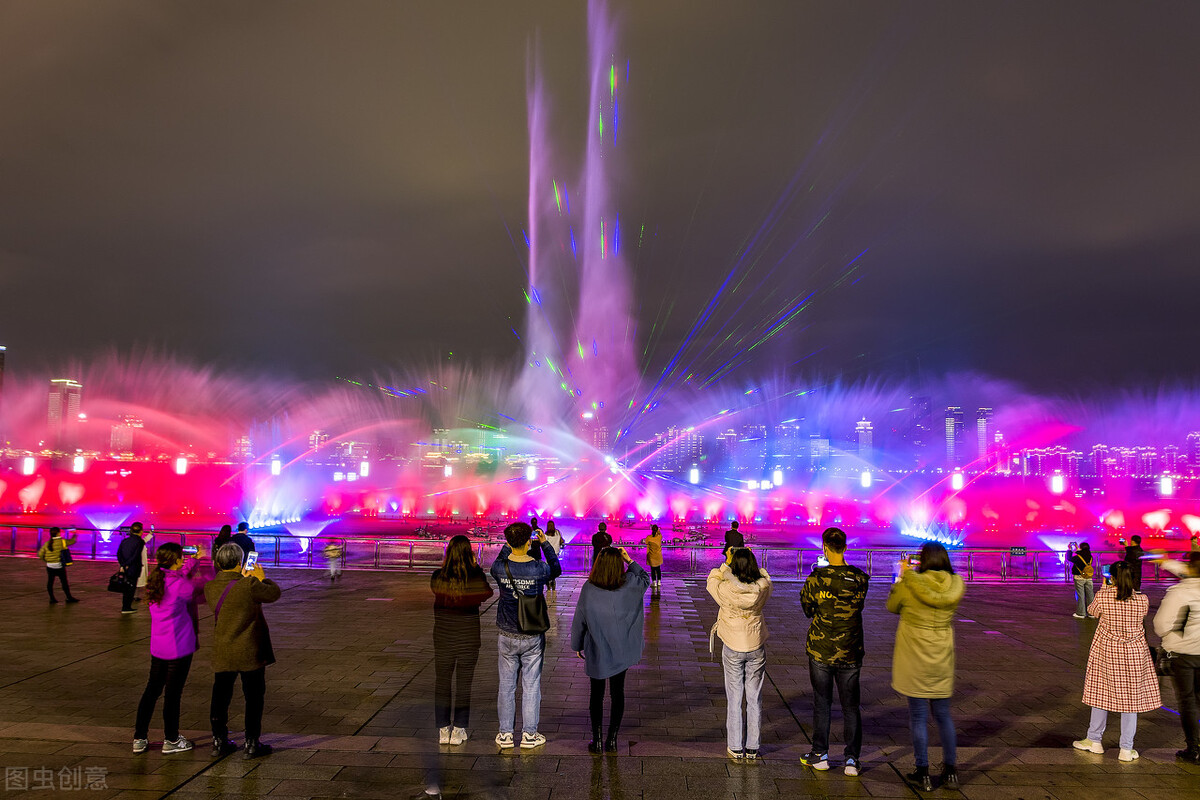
(1104, 571)
(914, 561)
(190, 549)
(251, 561)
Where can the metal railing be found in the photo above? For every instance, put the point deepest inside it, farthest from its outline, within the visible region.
(688, 560)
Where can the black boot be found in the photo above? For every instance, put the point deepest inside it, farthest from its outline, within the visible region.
(920, 779)
(596, 745)
(610, 744)
(949, 776)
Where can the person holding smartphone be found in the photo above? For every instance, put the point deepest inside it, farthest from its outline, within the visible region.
(171, 590)
(51, 553)
(241, 645)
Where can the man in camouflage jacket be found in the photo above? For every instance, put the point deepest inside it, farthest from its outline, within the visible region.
(833, 598)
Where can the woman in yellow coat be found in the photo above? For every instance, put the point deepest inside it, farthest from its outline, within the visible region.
(926, 597)
(654, 556)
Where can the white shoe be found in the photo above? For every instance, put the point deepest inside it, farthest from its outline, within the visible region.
(178, 746)
(444, 735)
(140, 745)
(531, 740)
(458, 736)
(504, 740)
(1127, 755)
(1089, 746)
(1079, 616)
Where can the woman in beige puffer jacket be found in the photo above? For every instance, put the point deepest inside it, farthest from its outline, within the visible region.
(741, 590)
(926, 598)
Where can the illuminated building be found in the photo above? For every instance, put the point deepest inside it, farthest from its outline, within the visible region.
(954, 434)
(983, 435)
(1172, 459)
(62, 414)
(243, 448)
(818, 451)
(865, 434)
(121, 441)
(918, 431)
(1193, 451)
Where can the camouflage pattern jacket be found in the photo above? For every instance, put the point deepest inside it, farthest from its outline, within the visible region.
(833, 598)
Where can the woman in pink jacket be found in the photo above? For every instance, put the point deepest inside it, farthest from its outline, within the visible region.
(172, 589)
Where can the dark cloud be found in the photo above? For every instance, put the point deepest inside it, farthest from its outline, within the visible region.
(322, 188)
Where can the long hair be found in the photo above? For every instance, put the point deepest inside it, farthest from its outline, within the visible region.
(608, 571)
(223, 536)
(1122, 578)
(458, 566)
(935, 557)
(744, 565)
(167, 556)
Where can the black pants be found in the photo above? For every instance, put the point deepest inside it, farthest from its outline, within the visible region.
(656, 573)
(616, 694)
(131, 577)
(823, 678)
(169, 674)
(61, 574)
(1185, 670)
(454, 658)
(254, 689)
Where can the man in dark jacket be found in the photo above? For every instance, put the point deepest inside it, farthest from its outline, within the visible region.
(733, 538)
(1133, 557)
(241, 646)
(600, 540)
(242, 539)
(833, 597)
(129, 560)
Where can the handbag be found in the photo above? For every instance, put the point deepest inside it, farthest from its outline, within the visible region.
(65, 558)
(533, 616)
(118, 582)
(1162, 660)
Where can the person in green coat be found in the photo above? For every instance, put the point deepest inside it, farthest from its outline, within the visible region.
(926, 596)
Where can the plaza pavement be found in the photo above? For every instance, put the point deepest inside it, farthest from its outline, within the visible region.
(349, 703)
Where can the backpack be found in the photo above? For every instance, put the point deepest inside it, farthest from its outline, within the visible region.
(1088, 572)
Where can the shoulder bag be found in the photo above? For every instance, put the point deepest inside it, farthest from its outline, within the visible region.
(533, 616)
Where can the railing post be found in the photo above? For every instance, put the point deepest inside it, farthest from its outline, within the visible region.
(970, 569)
(1003, 568)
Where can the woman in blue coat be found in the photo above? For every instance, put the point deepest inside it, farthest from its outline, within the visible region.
(607, 634)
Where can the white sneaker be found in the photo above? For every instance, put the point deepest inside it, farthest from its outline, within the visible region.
(1089, 746)
(1079, 616)
(178, 746)
(458, 736)
(504, 739)
(444, 735)
(1127, 755)
(851, 768)
(140, 745)
(531, 740)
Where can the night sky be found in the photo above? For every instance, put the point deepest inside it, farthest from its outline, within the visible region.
(324, 188)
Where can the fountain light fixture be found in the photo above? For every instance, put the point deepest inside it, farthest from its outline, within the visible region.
(77, 464)
(447, 471)
(864, 479)
(694, 475)
(1166, 486)
(957, 481)
(276, 466)
(530, 472)
(1058, 483)
(181, 465)
(28, 465)
(777, 477)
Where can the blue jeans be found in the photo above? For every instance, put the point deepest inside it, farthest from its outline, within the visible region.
(1100, 722)
(918, 722)
(823, 677)
(520, 656)
(744, 673)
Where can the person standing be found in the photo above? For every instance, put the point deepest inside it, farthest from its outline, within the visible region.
(241, 647)
(333, 557)
(1120, 675)
(833, 598)
(459, 588)
(51, 553)
(174, 626)
(1178, 623)
(147, 536)
(741, 590)
(1133, 557)
(733, 538)
(129, 561)
(521, 653)
(1083, 573)
(654, 555)
(606, 633)
(600, 540)
(553, 539)
(926, 598)
(242, 538)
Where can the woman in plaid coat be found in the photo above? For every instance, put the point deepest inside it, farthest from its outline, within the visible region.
(1120, 675)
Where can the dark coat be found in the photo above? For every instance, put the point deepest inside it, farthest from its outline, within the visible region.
(242, 642)
(129, 553)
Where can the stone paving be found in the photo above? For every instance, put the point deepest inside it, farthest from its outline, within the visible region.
(349, 703)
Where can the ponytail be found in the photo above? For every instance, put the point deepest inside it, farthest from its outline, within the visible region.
(167, 556)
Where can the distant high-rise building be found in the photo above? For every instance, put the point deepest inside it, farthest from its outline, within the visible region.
(1193, 451)
(865, 434)
(818, 449)
(983, 436)
(62, 414)
(243, 448)
(121, 441)
(1172, 460)
(918, 431)
(954, 435)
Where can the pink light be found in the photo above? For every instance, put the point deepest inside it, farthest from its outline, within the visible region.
(78, 465)
(1058, 484)
(1191, 522)
(957, 481)
(1157, 520)
(28, 465)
